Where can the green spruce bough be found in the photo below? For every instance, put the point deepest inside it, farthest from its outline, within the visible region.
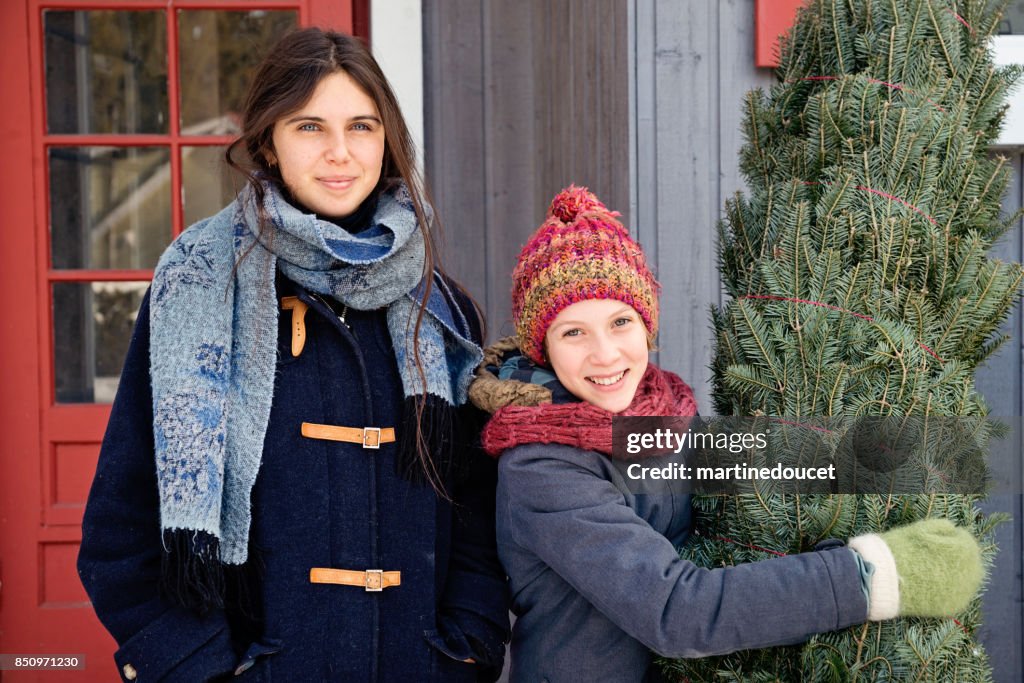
(860, 285)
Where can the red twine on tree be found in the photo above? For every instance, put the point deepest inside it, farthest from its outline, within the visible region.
(822, 304)
(962, 627)
(897, 199)
(893, 86)
(745, 545)
(960, 19)
(880, 193)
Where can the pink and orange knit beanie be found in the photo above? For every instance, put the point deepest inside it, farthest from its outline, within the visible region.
(580, 252)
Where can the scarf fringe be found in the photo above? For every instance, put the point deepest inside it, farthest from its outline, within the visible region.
(191, 573)
(242, 585)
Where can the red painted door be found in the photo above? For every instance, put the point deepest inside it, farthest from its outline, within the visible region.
(114, 120)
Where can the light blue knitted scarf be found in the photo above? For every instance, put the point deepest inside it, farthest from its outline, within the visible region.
(214, 341)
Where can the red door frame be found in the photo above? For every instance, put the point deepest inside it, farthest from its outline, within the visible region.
(31, 423)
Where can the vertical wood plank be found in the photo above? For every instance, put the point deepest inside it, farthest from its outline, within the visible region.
(736, 76)
(454, 150)
(522, 99)
(612, 44)
(581, 67)
(686, 150)
(643, 127)
(553, 75)
(582, 117)
(687, 123)
(510, 134)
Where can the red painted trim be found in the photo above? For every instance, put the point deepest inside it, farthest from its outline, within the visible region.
(42, 199)
(174, 107)
(105, 140)
(85, 275)
(77, 422)
(155, 140)
(335, 15)
(361, 19)
(772, 18)
(164, 4)
(206, 140)
(19, 342)
(69, 534)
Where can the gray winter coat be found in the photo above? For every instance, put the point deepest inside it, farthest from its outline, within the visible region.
(597, 582)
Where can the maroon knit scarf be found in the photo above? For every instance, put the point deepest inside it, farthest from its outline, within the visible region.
(582, 424)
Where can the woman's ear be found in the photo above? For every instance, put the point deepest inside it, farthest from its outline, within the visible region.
(270, 158)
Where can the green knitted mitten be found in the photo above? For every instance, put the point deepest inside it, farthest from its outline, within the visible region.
(936, 565)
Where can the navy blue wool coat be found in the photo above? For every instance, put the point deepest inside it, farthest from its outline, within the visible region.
(315, 503)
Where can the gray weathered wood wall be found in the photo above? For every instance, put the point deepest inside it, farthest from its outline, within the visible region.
(521, 99)
(694, 61)
(639, 100)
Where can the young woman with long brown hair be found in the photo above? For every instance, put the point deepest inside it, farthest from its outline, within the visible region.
(288, 485)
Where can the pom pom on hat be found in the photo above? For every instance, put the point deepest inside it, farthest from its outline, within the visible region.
(572, 201)
(581, 252)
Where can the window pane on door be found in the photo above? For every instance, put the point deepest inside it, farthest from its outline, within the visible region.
(92, 325)
(110, 207)
(219, 52)
(106, 71)
(208, 183)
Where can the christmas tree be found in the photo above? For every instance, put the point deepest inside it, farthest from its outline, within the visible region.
(860, 286)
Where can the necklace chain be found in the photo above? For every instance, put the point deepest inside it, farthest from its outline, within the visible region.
(344, 308)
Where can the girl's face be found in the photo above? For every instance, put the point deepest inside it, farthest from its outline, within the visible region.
(598, 349)
(332, 149)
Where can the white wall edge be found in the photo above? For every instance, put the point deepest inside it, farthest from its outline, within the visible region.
(396, 38)
(1010, 50)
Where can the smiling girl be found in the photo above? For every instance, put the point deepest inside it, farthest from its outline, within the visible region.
(286, 487)
(596, 581)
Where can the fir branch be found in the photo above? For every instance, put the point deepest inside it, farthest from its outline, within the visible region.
(939, 31)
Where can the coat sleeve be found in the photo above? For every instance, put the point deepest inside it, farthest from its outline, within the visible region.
(563, 509)
(475, 601)
(119, 559)
(474, 606)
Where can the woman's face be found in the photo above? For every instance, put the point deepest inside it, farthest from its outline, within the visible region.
(331, 150)
(598, 349)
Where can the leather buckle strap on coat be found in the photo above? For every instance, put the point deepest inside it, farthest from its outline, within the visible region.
(372, 580)
(298, 309)
(368, 437)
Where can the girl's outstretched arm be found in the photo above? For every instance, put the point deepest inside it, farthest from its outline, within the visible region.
(562, 507)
